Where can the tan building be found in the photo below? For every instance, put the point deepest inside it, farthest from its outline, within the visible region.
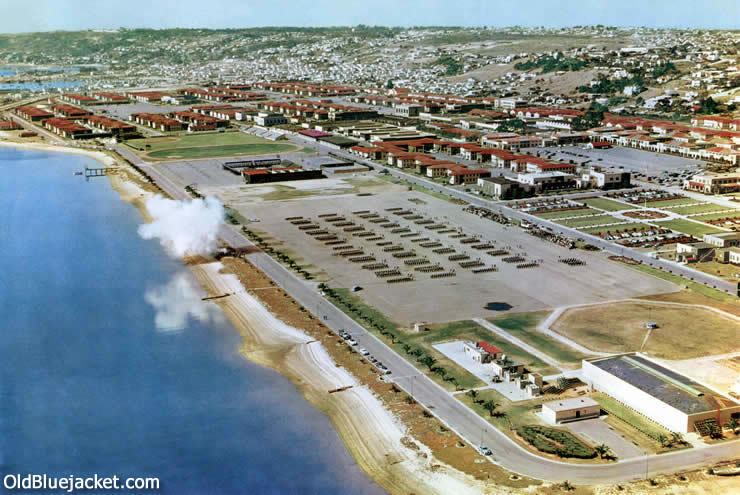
(713, 184)
(723, 240)
(566, 410)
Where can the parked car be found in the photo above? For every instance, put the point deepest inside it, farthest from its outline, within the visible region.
(484, 450)
(364, 351)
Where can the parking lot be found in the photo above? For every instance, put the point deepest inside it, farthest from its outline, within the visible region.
(597, 431)
(635, 160)
(423, 259)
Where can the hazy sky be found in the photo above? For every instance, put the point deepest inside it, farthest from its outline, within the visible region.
(46, 15)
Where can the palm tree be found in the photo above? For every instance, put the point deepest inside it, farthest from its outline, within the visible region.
(406, 348)
(490, 406)
(663, 440)
(473, 394)
(563, 384)
(677, 438)
(428, 361)
(733, 425)
(604, 451)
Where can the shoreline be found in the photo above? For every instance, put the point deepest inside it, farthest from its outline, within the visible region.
(374, 437)
(104, 158)
(377, 440)
(393, 458)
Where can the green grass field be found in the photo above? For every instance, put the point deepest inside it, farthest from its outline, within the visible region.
(207, 145)
(702, 289)
(670, 202)
(689, 227)
(469, 330)
(524, 326)
(698, 209)
(717, 216)
(554, 215)
(607, 204)
(590, 221)
(613, 228)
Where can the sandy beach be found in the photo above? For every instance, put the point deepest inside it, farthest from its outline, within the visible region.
(377, 440)
(104, 158)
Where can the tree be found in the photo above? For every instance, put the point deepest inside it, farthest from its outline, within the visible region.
(663, 440)
(677, 438)
(708, 106)
(733, 425)
(604, 451)
(511, 125)
(567, 486)
(428, 361)
(389, 84)
(473, 394)
(563, 384)
(491, 407)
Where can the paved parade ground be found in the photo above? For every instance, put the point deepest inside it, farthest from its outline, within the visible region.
(549, 284)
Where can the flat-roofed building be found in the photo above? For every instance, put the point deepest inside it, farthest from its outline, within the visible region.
(733, 256)
(279, 174)
(266, 119)
(608, 178)
(567, 410)
(668, 398)
(694, 251)
(723, 240)
(407, 110)
(503, 188)
(548, 181)
(713, 183)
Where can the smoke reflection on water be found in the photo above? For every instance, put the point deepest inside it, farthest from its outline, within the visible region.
(179, 300)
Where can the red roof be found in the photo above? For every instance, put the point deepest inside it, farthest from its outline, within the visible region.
(314, 133)
(489, 348)
(601, 144)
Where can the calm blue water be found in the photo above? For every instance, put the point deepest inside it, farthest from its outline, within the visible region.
(88, 384)
(39, 86)
(11, 70)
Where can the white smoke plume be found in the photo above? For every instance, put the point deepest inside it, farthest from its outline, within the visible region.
(179, 300)
(184, 228)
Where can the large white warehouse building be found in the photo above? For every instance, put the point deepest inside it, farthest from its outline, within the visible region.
(663, 395)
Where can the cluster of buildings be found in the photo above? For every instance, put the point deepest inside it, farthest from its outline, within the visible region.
(504, 368)
(73, 122)
(531, 174)
(707, 138)
(723, 247)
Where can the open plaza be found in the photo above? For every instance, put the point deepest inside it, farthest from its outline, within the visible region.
(488, 267)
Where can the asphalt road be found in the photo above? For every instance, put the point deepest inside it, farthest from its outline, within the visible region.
(441, 403)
